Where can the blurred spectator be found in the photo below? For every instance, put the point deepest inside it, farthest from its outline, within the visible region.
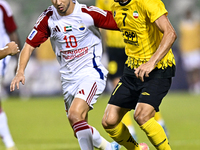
(189, 43)
(8, 32)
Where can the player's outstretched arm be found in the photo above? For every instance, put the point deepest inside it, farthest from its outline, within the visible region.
(10, 49)
(23, 60)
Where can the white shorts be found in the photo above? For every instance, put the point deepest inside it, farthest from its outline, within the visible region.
(88, 88)
(191, 60)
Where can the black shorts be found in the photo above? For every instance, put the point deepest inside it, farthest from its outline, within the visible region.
(117, 58)
(130, 91)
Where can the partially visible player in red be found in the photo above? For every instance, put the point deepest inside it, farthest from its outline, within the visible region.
(8, 32)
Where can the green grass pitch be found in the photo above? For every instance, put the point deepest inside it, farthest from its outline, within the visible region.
(41, 123)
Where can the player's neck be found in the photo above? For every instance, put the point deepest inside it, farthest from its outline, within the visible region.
(71, 9)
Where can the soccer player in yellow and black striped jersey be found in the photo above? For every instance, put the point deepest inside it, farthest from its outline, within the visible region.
(115, 49)
(116, 54)
(148, 71)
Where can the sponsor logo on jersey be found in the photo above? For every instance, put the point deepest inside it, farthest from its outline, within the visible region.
(32, 34)
(67, 29)
(74, 53)
(81, 27)
(130, 37)
(135, 14)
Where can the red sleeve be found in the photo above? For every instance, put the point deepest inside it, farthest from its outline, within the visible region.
(40, 32)
(102, 18)
(9, 22)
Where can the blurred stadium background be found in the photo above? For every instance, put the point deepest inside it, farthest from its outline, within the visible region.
(43, 61)
(42, 80)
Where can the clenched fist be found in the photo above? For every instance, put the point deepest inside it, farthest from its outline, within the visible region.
(10, 49)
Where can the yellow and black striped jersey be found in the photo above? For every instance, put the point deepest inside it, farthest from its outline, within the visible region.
(141, 35)
(113, 38)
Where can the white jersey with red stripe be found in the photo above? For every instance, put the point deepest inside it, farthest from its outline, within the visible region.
(7, 25)
(75, 39)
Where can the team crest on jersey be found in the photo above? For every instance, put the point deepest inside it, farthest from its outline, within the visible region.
(81, 27)
(135, 14)
(32, 34)
(67, 29)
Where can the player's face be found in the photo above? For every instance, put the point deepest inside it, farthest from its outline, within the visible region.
(62, 6)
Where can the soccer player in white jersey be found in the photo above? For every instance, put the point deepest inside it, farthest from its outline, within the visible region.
(72, 30)
(8, 32)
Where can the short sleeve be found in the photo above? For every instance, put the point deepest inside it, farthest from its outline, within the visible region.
(8, 19)
(154, 9)
(40, 32)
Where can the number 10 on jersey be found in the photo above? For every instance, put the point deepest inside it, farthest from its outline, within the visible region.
(70, 41)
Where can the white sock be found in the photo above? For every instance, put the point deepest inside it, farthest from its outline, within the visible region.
(98, 141)
(4, 131)
(84, 135)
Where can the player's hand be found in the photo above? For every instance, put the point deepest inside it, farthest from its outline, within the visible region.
(13, 48)
(16, 80)
(143, 70)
